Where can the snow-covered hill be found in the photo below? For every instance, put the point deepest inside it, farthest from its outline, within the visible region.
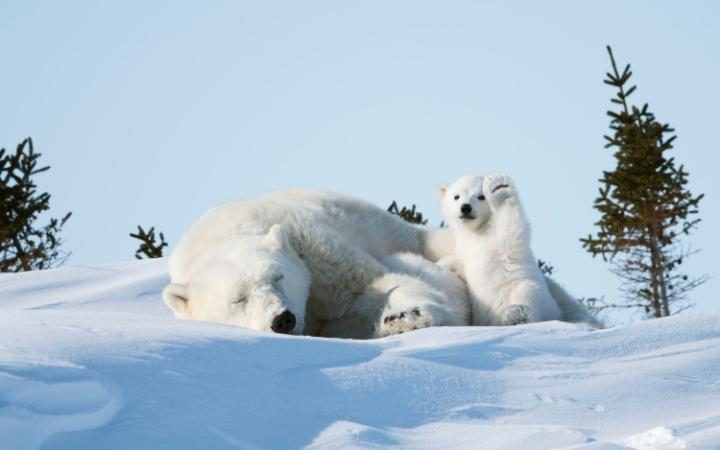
(90, 358)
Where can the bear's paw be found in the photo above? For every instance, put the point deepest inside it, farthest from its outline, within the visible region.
(516, 315)
(398, 322)
(497, 187)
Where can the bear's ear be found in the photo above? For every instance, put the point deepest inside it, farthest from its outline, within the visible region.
(441, 191)
(176, 297)
(277, 238)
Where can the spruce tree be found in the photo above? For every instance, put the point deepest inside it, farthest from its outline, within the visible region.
(149, 246)
(25, 245)
(645, 208)
(545, 267)
(410, 215)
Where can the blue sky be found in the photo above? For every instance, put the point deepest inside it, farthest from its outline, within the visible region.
(152, 112)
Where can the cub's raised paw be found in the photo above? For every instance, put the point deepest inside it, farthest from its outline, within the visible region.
(516, 315)
(394, 322)
(497, 187)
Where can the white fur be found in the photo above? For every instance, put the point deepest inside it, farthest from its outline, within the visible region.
(572, 309)
(492, 252)
(449, 292)
(309, 252)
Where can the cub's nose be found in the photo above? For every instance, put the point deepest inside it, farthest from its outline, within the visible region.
(284, 323)
(466, 208)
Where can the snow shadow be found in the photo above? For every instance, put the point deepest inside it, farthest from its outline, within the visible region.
(265, 392)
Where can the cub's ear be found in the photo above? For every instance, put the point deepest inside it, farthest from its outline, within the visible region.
(176, 297)
(441, 191)
(277, 238)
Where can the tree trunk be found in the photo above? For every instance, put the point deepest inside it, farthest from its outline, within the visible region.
(660, 268)
(655, 272)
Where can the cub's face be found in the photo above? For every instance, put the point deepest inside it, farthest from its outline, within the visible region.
(257, 283)
(464, 203)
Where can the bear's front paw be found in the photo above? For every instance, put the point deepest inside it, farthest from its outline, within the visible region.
(497, 187)
(516, 315)
(400, 322)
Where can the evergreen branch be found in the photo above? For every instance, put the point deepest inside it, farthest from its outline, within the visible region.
(23, 244)
(149, 246)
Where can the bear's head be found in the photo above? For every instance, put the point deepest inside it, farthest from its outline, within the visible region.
(256, 282)
(464, 204)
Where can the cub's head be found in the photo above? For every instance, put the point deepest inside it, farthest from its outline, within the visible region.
(253, 282)
(464, 204)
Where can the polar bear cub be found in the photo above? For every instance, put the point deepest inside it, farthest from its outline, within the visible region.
(492, 252)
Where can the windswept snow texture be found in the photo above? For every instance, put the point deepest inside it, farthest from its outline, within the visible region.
(90, 358)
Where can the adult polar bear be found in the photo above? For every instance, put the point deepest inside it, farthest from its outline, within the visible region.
(307, 261)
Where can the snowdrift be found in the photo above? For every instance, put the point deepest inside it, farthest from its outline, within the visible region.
(90, 358)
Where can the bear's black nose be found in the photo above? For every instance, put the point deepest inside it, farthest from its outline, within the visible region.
(284, 323)
(466, 208)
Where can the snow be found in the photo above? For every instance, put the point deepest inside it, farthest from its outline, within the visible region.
(91, 358)
(655, 438)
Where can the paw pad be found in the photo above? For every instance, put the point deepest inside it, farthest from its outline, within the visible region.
(498, 187)
(394, 317)
(494, 183)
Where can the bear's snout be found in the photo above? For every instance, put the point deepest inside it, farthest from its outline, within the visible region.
(284, 323)
(466, 208)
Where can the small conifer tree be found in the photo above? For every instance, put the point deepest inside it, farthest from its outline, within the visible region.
(149, 245)
(545, 267)
(407, 214)
(25, 245)
(645, 208)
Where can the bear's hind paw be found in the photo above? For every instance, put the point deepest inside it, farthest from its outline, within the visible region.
(517, 314)
(400, 322)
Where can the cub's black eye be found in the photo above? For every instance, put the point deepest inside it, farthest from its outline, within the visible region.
(481, 197)
(240, 300)
(456, 197)
(277, 278)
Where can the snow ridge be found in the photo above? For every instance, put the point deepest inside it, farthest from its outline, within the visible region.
(91, 358)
